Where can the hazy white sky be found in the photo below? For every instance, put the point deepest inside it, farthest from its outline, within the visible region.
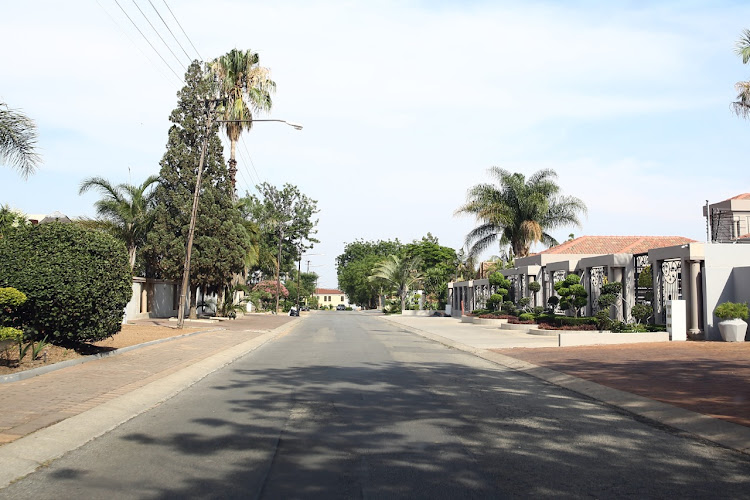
(405, 105)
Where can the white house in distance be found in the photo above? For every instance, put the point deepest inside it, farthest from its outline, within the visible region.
(330, 297)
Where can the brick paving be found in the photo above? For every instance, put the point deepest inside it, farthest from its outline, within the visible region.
(32, 404)
(712, 378)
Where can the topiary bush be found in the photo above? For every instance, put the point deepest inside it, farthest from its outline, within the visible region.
(731, 310)
(77, 281)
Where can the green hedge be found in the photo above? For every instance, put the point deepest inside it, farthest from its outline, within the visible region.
(77, 281)
(558, 320)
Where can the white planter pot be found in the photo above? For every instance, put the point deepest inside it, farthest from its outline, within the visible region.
(733, 330)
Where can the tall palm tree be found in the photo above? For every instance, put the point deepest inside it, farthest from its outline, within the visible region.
(246, 88)
(518, 212)
(18, 141)
(400, 274)
(742, 105)
(126, 210)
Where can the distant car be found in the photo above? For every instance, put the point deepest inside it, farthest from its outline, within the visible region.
(293, 312)
(341, 307)
(304, 308)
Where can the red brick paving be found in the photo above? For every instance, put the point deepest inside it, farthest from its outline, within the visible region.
(712, 378)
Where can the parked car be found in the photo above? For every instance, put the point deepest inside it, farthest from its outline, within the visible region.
(293, 312)
(341, 307)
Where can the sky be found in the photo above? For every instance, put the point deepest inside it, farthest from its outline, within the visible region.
(405, 105)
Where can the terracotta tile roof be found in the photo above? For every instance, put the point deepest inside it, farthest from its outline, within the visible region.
(743, 196)
(603, 245)
(328, 291)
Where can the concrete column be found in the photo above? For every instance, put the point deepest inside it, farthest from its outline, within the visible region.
(693, 306)
(144, 298)
(534, 296)
(617, 277)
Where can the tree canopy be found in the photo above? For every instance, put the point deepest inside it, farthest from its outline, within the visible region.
(221, 242)
(518, 212)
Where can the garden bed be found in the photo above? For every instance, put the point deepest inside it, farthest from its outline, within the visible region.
(569, 338)
(129, 335)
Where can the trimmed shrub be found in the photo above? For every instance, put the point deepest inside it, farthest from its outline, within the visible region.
(526, 317)
(731, 310)
(77, 281)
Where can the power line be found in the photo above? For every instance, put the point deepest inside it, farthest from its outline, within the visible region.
(159, 35)
(130, 39)
(183, 31)
(170, 31)
(251, 159)
(147, 40)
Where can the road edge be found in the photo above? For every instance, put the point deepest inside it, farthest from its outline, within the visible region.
(23, 456)
(721, 432)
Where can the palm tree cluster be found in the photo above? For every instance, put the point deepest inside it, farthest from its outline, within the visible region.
(518, 212)
(399, 275)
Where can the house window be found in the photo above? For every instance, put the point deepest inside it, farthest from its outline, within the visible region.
(329, 298)
(342, 298)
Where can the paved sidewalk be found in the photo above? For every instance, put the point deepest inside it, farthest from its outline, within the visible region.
(35, 403)
(702, 388)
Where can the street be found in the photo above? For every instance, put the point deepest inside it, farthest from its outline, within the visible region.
(349, 406)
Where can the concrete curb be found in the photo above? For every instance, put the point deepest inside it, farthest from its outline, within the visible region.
(23, 456)
(35, 372)
(727, 434)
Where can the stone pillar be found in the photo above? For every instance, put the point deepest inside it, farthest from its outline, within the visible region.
(693, 305)
(534, 296)
(144, 298)
(617, 277)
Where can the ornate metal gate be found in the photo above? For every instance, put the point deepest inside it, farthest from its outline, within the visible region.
(670, 286)
(595, 286)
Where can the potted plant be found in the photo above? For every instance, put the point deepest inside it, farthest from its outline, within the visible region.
(733, 327)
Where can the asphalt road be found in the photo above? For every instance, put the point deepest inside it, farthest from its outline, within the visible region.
(349, 406)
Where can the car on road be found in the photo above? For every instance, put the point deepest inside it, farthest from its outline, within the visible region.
(341, 307)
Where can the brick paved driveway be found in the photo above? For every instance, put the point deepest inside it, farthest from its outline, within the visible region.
(712, 378)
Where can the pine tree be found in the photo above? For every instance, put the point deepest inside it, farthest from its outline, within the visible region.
(221, 242)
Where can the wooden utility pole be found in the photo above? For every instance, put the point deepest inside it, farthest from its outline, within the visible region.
(193, 216)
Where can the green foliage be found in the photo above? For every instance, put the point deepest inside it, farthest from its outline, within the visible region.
(731, 310)
(77, 282)
(494, 302)
(125, 210)
(357, 263)
(18, 135)
(524, 301)
(398, 275)
(10, 300)
(603, 321)
(10, 221)
(221, 243)
(645, 278)
(10, 333)
(437, 267)
(559, 320)
(572, 294)
(535, 286)
(518, 211)
(501, 285)
(526, 317)
(609, 294)
(642, 312)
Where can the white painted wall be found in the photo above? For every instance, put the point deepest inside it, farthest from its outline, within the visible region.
(726, 278)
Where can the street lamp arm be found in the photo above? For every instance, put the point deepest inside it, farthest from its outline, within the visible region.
(296, 126)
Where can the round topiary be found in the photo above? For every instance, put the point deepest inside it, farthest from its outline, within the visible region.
(77, 281)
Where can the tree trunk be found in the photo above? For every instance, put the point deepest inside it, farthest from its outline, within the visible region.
(193, 302)
(131, 257)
